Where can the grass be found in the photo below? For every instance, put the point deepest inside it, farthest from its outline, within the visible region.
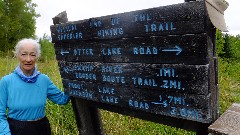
(229, 80)
(63, 121)
(61, 117)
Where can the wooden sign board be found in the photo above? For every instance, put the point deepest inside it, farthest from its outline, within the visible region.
(157, 61)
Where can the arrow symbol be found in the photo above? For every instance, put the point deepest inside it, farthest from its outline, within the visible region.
(64, 52)
(176, 49)
(164, 103)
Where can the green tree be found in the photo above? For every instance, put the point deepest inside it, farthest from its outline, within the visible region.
(17, 21)
(47, 48)
(220, 43)
(4, 21)
(227, 46)
(235, 47)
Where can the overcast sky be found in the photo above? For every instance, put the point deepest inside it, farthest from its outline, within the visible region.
(85, 9)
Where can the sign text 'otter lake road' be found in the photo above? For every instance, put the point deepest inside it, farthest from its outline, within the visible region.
(154, 60)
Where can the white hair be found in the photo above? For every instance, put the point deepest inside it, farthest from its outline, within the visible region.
(24, 41)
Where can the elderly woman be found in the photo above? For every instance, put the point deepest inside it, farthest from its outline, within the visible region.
(24, 92)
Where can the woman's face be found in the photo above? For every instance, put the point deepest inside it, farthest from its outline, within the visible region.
(27, 58)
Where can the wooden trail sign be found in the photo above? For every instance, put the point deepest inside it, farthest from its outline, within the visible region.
(156, 64)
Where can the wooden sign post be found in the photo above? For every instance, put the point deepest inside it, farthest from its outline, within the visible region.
(157, 64)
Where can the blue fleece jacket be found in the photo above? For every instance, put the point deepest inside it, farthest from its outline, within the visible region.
(26, 101)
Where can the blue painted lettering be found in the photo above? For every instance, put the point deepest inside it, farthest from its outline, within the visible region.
(161, 27)
(67, 69)
(187, 113)
(83, 67)
(110, 32)
(86, 76)
(66, 28)
(109, 99)
(83, 51)
(84, 94)
(183, 112)
(111, 51)
(75, 86)
(142, 17)
(173, 111)
(112, 69)
(167, 72)
(138, 104)
(176, 100)
(70, 36)
(193, 114)
(106, 90)
(179, 100)
(170, 100)
(155, 27)
(95, 23)
(145, 50)
(171, 84)
(144, 81)
(115, 21)
(113, 79)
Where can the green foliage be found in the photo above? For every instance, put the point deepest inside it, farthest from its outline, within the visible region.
(234, 45)
(228, 46)
(17, 21)
(229, 83)
(63, 121)
(47, 49)
(61, 117)
(228, 50)
(7, 65)
(117, 124)
(219, 44)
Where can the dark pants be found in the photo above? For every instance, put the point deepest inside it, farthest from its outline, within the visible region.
(40, 127)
